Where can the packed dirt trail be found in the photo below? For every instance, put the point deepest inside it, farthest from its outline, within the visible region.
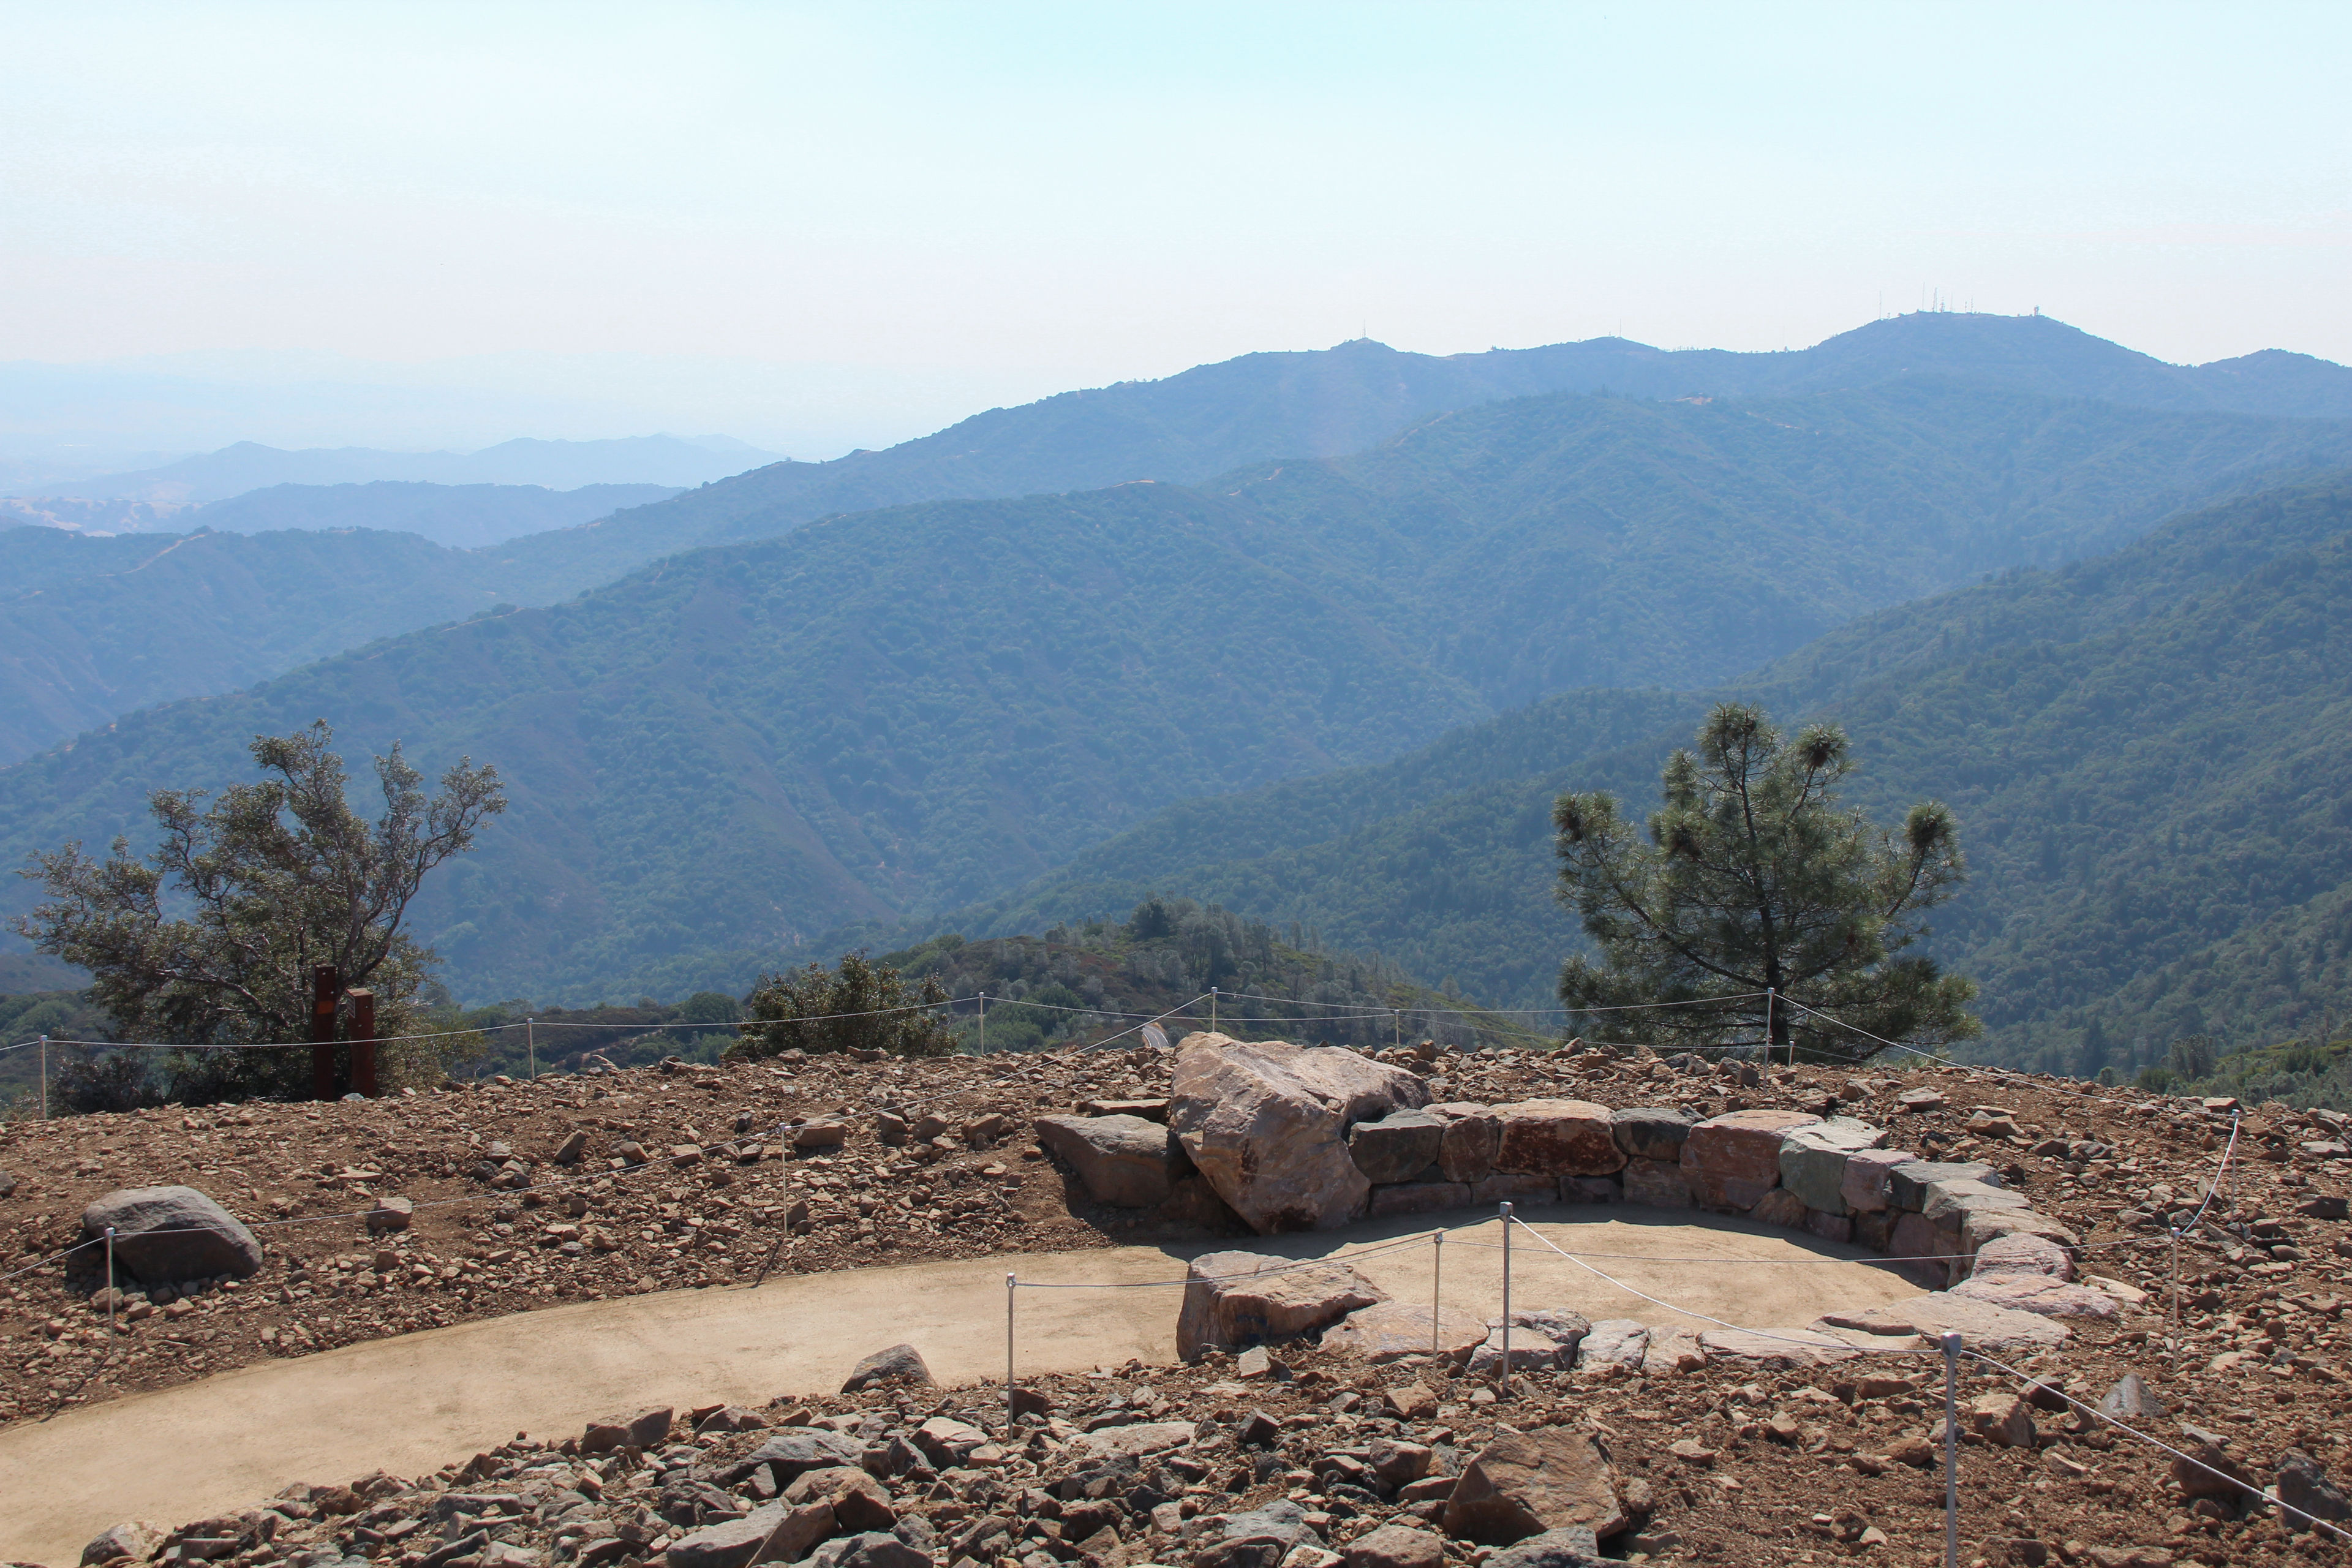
(415, 1403)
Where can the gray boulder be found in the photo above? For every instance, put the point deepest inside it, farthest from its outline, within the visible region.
(1123, 1160)
(2302, 1487)
(1649, 1132)
(1614, 1342)
(7, 1185)
(1398, 1147)
(795, 1451)
(872, 1548)
(775, 1533)
(1259, 1538)
(2131, 1400)
(899, 1361)
(1907, 1185)
(133, 1538)
(1574, 1547)
(163, 1235)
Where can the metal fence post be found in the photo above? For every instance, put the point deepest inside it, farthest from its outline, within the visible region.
(1011, 1286)
(531, 1046)
(1505, 1385)
(45, 1078)
(1951, 1450)
(1436, 1283)
(111, 1293)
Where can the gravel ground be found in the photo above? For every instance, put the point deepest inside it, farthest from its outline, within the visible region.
(1793, 1464)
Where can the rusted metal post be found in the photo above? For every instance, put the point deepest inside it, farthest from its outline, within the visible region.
(326, 988)
(363, 1040)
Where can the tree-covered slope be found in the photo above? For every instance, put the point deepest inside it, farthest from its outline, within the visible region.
(903, 711)
(741, 747)
(107, 626)
(2149, 754)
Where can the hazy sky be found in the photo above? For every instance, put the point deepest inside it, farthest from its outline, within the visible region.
(759, 218)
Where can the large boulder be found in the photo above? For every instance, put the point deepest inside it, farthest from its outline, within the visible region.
(1907, 1184)
(163, 1235)
(1398, 1147)
(1233, 1300)
(1268, 1124)
(1649, 1132)
(1867, 1186)
(1525, 1483)
(1466, 1153)
(1123, 1160)
(1813, 1160)
(1733, 1160)
(1556, 1137)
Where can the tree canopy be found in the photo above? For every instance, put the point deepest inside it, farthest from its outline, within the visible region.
(1757, 899)
(857, 1006)
(212, 938)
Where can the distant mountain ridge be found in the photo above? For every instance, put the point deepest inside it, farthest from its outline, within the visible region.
(457, 517)
(663, 460)
(1328, 402)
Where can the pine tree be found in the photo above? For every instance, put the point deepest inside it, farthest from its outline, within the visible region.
(1755, 890)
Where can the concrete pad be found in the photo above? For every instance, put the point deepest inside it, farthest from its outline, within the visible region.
(412, 1404)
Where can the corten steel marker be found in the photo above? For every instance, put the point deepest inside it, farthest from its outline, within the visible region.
(363, 1041)
(326, 987)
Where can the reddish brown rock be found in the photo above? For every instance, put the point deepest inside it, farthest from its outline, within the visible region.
(1732, 1161)
(1267, 1124)
(1525, 1483)
(1778, 1206)
(1238, 1298)
(1465, 1153)
(1557, 1138)
(1391, 1330)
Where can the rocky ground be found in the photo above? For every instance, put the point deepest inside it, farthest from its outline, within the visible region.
(680, 1181)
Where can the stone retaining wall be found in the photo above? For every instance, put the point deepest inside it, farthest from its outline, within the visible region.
(1297, 1137)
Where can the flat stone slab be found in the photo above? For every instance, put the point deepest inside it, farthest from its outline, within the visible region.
(1907, 1185)
(1391, 1330)
(1978, 1323)
(2038, 1293)
(1781, 1348)
(1556, 1137)
(1143, 1438)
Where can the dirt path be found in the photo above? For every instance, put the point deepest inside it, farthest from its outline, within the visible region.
(413, 1404)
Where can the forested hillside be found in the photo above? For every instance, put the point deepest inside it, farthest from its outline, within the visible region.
(2150, 753)
(98, 628)
(1955, 460)
(735, 750)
